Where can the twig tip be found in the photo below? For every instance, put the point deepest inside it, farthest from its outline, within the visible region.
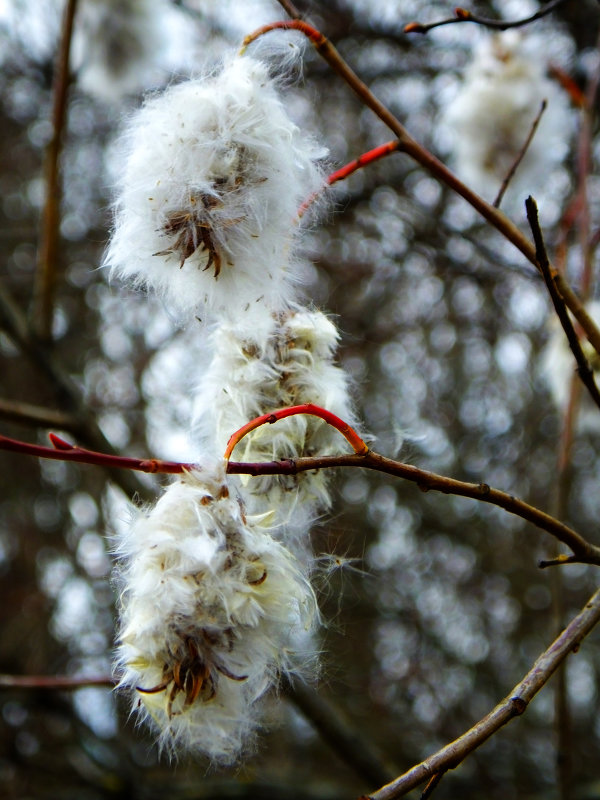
(58, 443)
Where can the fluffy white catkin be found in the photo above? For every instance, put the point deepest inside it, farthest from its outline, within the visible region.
(209, 608)
(287, 361)
(212, 174)
(492, 115)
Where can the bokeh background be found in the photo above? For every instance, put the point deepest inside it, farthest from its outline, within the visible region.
(434, 606)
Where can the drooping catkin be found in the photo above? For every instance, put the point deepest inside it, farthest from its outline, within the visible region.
(288, 361)
(213, 172)
(210, 606)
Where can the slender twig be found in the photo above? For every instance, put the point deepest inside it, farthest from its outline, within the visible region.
(430, 481)
(358, 163)
(433, 165)
(375, 154)
(336, 731)
(45, 282)
(351, 436)
(431, 786)
(520, 156)
(583, 551)
(63, 682)
(512, 706)
(584, 370)
(584, 167)
(463, 15)
(28, 414)
(63, 451)
(562, 716)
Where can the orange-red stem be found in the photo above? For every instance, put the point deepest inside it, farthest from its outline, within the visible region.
(311, 33)
(357, 444)
(362, 161)
(367, 158)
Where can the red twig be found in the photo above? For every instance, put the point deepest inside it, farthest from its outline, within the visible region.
(63, 451)
(357, 444)
(362, 161)
(315, 36)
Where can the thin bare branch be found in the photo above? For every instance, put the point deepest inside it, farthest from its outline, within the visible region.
(583, 551)
(511, 172)
(584, 370)
(512, 706)
(37, 416)
(45, 281)
(432, 785)
(342, 738)
(463, 15)
(55, 682)
(347, 431)
(342, 173)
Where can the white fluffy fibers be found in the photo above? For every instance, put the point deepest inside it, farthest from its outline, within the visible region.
(288, 362)
(209, 609)
(212, 174)
(557, 370)
(492, 115)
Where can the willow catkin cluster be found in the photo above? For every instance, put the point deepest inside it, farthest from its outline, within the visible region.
(213, 172)
(213, 604)
(289, 361)
(209, 608)
(493, 113)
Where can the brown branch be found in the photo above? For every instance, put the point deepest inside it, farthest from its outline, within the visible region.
(463, 15)
(512, 706)
(422, 156)
(584, 370)
(520, 155)
(46, 274)
(333, 729)
(583, 551)
(37, 416)
(62, 682)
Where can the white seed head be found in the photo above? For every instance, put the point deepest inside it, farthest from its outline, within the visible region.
(209, 608)
(213, 172)
(491, 117)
